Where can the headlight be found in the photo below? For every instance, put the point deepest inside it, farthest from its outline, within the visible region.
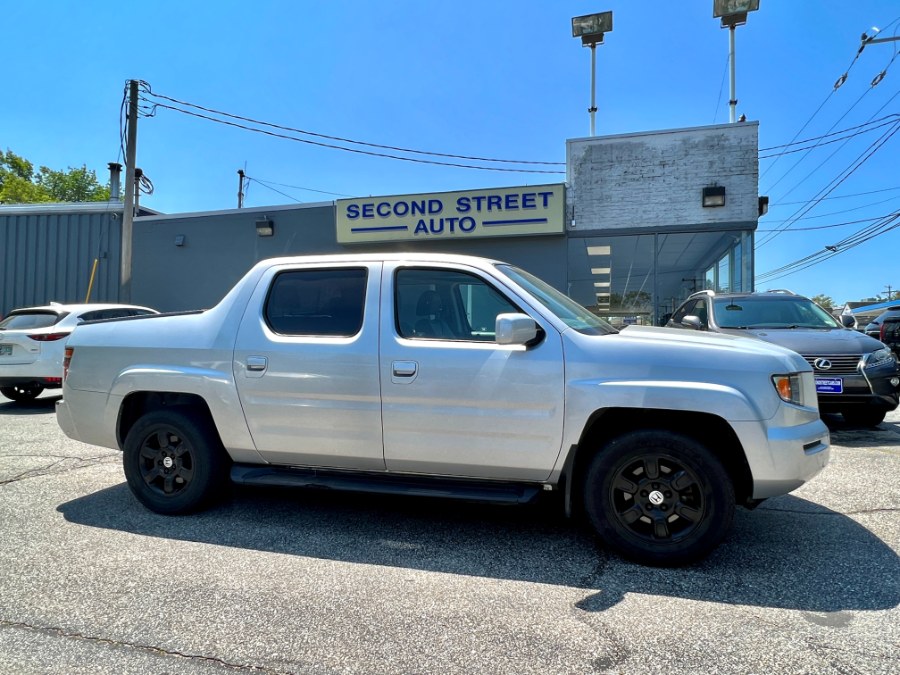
(788, 388)
(880, 358)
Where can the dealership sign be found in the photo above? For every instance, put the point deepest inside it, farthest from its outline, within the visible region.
(496, 212)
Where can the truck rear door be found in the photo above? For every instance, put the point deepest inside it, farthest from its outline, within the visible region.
(306, 366)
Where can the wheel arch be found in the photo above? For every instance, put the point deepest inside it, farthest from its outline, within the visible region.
(603, 425)
(139, 403)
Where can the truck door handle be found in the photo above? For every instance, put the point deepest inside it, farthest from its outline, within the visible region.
(404, 368)
(257, 364)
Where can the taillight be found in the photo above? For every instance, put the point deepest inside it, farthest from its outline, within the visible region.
(48, 337)
(881, 332)
(67, 359)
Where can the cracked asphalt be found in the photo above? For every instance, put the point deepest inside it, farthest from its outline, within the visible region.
(276, 581)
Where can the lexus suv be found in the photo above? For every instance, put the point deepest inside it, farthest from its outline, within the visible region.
(856, 375)
(33, 339)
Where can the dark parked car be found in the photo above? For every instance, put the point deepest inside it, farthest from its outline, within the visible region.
(856, 375)
(890, 333)
(874, 327)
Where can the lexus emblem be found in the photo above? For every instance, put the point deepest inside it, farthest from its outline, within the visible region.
(822, 364)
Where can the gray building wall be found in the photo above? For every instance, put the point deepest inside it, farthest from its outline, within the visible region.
(654, 180)
(219, 247)
(47, 253)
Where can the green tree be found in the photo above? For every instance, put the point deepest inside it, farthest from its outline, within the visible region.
(825, 301)
(20, 184)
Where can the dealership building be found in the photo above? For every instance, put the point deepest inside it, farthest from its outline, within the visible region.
(642, 220)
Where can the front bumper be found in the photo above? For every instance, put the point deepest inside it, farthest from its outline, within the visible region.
(782, 458)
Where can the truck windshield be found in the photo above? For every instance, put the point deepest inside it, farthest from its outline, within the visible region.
(569, 312)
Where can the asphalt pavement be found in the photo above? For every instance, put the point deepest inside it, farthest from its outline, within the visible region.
(279, 581)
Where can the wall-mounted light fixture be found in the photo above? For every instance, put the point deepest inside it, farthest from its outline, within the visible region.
(265, 227)
(714, 195)
(763, 206)
(179, 240)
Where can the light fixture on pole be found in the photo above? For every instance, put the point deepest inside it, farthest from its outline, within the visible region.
(733, 14)
(590, 28)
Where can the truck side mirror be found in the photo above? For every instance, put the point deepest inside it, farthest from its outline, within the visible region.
(848, 321)
(691, 321)
(515, 329)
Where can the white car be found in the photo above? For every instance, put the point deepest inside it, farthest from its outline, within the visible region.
(33, 340)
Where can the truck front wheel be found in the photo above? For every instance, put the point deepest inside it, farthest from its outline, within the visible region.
(658, 497)
(173, 461)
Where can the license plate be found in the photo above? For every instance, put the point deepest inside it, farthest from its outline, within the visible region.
(5, 350)
(829, 385)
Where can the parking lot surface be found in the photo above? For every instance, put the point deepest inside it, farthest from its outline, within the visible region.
(277, 581)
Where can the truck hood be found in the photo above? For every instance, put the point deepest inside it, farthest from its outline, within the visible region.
(813, 340)
(737, 342)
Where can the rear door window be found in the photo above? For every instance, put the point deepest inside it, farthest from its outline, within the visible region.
(317, 302)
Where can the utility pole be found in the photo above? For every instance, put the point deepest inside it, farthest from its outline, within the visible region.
(240, 188)
(890, 296)
(128, 214)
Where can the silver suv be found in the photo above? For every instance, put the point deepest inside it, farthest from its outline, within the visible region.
(856, 375)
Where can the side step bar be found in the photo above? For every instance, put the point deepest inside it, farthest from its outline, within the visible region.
(474, 490)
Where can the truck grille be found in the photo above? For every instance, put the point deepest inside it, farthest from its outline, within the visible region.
(841, 364)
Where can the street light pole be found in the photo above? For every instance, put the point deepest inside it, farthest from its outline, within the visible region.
(590, 29)
(593, 109)
(733, 14)
(732, 101)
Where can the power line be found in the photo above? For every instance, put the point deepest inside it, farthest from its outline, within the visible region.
(891, 119)
(835, 182)
(825, 227)
(300, 187)
(832, 213)
(283, 194)
(882, 226)
(353, 150)
(147, 90)
(854, 194)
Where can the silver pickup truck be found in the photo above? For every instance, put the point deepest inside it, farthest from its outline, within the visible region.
(446, 375)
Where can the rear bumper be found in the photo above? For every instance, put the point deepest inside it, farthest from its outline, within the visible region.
(91, 410)
(45, 382)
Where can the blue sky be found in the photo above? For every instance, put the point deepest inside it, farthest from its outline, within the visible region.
(498, 79)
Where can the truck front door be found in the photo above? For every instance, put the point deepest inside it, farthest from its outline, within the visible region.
(455, 402)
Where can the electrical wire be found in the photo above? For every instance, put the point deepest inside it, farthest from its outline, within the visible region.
(825, 227)
(833, 213)
(146, 89)
(254, 180)
(300, 187)
(890, 120)
(835, 182)
(854, 194)
(881, 226)
(353, 150)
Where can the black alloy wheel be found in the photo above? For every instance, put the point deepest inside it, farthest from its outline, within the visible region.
(22, 393)
(658, 497)
(174, 461)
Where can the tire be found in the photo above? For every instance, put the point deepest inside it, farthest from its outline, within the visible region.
(22, 393)
(659, 498)
(864, 417)
(174, 462)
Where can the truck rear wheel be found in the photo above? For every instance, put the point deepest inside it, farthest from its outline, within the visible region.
(659, 498)
(173, 461)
